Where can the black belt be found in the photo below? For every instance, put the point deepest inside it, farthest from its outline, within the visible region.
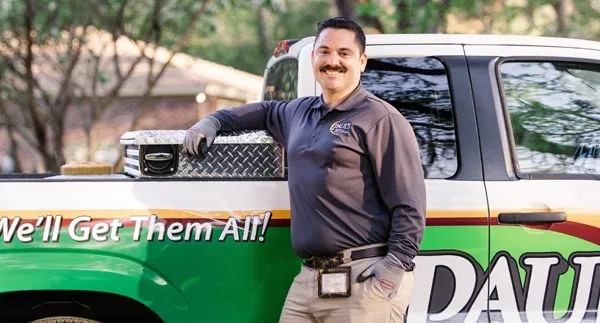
(345, 257)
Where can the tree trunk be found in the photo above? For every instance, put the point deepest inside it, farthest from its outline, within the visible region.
(59, 155)
(403, 24)
(439, 17)
(38, 125)
(564, 9)
(263, 39)
(530, 12)
(14, 151)
(345, 8)
(90, 131)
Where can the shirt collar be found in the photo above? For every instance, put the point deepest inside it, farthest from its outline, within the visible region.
(351, 102)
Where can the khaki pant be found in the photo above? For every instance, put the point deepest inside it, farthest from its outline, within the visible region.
(367, 304)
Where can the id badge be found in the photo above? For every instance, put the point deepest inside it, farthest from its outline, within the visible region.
(334, 282)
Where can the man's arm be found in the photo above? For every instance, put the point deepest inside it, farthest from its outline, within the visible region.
(396, 161)
(267, 115)
(273, 116)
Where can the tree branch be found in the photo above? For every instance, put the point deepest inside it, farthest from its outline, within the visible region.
(178, 48)
(38, 126)
(116, 33)
(68, 74)
(51, 18)
(122, 79)
(14, 144)
(21, 131)
(13, 69)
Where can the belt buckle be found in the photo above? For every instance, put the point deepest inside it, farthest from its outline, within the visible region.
(327, 261)
(322, 262)
(332, 261)
(346, 256)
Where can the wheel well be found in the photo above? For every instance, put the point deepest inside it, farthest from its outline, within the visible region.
(104, 307)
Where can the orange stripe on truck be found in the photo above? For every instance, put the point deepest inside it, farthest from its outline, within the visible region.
(587, 217)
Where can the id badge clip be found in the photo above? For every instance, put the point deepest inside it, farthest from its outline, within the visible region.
(334, 282)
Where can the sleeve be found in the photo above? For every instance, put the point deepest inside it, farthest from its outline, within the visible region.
(396, 161)
(273, 116)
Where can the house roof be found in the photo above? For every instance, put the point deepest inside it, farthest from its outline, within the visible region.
(187, 74)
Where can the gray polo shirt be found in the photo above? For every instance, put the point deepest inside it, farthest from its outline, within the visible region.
(354, 172)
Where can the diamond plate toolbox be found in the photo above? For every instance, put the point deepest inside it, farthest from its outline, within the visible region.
(238, 154)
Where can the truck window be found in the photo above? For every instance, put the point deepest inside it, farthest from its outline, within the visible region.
(282, 81)
(418, 88)
(554, 111)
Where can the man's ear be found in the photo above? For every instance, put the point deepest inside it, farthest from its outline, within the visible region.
(363, 62)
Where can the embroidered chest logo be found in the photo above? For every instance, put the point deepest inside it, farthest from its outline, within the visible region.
(340, 127)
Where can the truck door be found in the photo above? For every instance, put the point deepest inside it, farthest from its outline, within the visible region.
(430, 86)
(538, 111)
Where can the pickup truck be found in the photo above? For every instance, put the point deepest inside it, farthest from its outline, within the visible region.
(509, 133)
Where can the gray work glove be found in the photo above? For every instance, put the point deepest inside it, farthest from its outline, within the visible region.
(387, 271)
(207, 129)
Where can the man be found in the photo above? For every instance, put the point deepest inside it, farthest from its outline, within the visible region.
(356, 186)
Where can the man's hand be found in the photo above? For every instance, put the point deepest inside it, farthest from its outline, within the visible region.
(387, 271)
(206, 128)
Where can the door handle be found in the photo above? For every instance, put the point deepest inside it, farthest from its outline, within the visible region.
(158, 157)
(532, 217)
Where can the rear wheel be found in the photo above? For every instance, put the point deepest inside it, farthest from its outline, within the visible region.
(52, 306)
(64, 319)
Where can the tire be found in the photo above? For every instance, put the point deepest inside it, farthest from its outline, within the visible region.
(64, 319)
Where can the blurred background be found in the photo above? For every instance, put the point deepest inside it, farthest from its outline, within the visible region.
(76, 74)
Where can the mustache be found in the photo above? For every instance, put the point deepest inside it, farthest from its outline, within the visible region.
(332, 68)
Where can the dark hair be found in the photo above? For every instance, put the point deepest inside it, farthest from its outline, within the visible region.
(343, 23)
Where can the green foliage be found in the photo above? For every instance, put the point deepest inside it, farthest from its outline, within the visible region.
(235, 40)
(369, 9)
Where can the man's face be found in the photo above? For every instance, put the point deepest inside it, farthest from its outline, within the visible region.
(337, 62)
